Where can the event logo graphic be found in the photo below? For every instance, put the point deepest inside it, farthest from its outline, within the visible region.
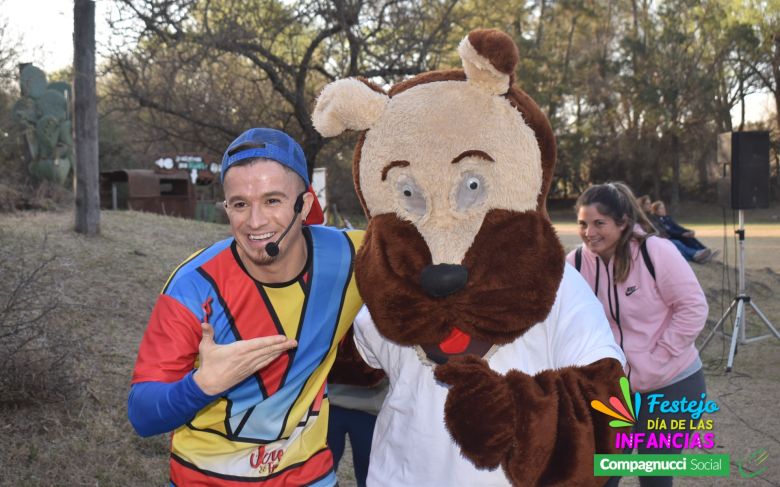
(667, 423)
(664, 426)
(624, 412)
(753, 461)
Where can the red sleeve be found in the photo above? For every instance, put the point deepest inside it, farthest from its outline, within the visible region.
(170, 343)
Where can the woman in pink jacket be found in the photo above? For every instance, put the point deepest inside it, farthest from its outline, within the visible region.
(653, 301)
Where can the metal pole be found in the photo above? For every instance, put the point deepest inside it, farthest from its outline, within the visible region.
(741, 292)
(739, 324)
(718, 324)
(740, 302)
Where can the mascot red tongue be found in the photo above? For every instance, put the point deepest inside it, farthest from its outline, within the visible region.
(456, 343)
(493, 347)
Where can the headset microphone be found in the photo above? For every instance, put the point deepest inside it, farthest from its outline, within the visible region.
(272, 248)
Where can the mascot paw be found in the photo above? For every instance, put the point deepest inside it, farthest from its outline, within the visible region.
(480, 410)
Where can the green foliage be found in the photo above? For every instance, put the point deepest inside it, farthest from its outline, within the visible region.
(634, 90)
(53, 103)
(44, 119)
(32, 81)
(637, 90)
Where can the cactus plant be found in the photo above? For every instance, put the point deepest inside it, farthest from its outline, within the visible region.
(32, 81)
(52, 103)
(43, 112)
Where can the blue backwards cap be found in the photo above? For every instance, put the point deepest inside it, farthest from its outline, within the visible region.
(269, 144)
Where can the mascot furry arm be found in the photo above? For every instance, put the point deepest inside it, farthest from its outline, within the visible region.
(460, 260)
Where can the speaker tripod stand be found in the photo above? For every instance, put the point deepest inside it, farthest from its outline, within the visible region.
(738, 333)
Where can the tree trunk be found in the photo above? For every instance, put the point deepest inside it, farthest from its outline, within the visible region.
(776, 92)
(674, 197)
(655, 153)
(540, 26)
(312, 143)
(776, 76)
(85, 111)
(656, 183)
(552, 113)
(706, 155)
(741, 103)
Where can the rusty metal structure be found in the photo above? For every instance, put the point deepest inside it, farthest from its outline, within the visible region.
(170, 193)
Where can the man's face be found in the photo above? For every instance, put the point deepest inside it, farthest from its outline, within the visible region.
(260, 198)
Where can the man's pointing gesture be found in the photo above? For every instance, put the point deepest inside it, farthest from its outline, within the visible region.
(223, 366)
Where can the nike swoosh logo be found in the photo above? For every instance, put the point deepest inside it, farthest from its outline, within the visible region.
(631, 290)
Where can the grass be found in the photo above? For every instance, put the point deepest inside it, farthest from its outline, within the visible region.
(108, 285)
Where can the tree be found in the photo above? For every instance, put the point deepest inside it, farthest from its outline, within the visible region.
(9, 150)
(283, 51)
(9, 54)
(635, 90)
(85, 111)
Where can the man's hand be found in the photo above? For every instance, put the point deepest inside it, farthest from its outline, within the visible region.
(223, 366)
(689, 234)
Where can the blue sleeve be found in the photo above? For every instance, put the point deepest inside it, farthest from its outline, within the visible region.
(672, 228)
(159, 407)
(680, 227)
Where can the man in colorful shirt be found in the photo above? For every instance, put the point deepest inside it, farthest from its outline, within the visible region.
(240, 342)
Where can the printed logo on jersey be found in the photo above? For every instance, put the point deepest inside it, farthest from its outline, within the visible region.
(265, 461)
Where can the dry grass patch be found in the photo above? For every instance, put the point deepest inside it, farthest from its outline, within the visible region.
(37, 354)
(106, 287)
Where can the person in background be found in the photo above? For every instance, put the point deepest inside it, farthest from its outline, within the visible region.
(646, 205)
(655, 313)
(698, 254)
(356, 392)
(685, 236)
(240, 342)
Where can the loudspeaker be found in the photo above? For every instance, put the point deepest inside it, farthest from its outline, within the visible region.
(724, 192)
(749, 170)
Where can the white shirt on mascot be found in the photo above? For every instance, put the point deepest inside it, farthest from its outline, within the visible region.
(411, 446)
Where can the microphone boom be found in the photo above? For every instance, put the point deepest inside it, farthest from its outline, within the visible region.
(272, 248)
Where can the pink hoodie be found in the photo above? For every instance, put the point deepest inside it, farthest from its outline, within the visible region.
(660, 318)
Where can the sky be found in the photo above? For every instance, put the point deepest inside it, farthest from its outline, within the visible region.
(46, 30)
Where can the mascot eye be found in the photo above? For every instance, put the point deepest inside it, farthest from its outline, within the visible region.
(471, 191)
(411, 197)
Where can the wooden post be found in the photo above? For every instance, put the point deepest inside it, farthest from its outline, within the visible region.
(85, 112)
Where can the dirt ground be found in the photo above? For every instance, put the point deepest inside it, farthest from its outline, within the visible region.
(108, 284)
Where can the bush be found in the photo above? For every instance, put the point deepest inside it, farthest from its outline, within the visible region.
(35, 350)
(18, 189)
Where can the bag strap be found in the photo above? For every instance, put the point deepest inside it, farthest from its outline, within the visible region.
(578, 258)
(646, 258)
(578, 266)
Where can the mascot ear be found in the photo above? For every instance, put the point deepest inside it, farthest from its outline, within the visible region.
(347, 104)
(489, 59)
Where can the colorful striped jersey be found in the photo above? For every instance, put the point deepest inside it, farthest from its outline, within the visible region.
(271, 428)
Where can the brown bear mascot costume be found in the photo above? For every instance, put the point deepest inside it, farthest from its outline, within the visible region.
(493, 346)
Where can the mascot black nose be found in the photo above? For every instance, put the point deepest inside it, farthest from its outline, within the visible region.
(443, 279)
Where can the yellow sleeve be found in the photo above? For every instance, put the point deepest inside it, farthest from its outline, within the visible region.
(356, 236)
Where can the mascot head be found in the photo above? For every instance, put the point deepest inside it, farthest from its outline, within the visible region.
(452, 169)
